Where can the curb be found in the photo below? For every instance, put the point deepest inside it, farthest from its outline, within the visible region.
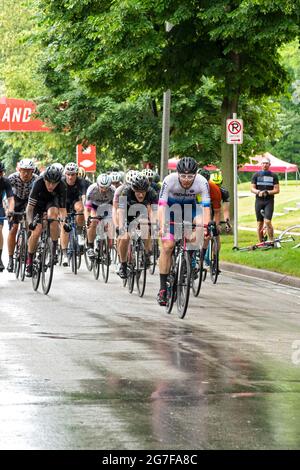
(278, 278)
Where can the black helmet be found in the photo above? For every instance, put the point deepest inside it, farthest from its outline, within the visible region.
(205, 173)
(52, 174)
(187, 165)
(2, 166)
(140, 183)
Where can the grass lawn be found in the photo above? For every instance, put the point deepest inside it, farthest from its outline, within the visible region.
(282, 260)
(289, 196)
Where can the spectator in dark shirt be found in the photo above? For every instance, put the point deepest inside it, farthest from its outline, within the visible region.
(264, 185)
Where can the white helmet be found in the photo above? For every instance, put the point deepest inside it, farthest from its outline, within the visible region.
(130, 175)
(26, 164)
(122, 176)
(59, 166)
(147, 172)
(115, 177)
(71, 168)
(104, 181)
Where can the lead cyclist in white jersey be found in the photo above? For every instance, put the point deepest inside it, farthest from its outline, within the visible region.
(178, 195)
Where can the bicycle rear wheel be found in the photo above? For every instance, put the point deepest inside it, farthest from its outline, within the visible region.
(291, 234)
(17, 255)
(197, 274)
(214, 260)
(105, 260)
(73, 252)
(97, 261)
(23, 255)
(155, 255)
(183, 284)
(47, 266)
(141, 270)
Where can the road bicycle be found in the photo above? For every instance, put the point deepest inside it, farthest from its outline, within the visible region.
(73, 251)
(292, 232)
(180, 277)
(20, 253)
(136, 263)
(102, 250)
(44, 259)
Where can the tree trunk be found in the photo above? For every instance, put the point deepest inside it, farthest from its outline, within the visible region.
(229, 106)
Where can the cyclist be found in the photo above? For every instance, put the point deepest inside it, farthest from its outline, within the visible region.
(179, 190)
(76, 190)
(128, 180)
(140, 194)
(22, 182)
(215, 206)
(99, 198)
(116, 179)
(5, 190)
(149, 173)
(47, 195)
(217, 178)
(82, 174)
(265, 185)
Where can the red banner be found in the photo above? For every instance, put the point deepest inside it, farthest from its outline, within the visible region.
(86, 157)
(15, 116)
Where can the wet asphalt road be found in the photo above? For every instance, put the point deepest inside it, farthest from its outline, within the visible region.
(92, 367)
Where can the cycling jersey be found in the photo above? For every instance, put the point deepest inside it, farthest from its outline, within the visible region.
(117, 194)
(42, 199)
(74, 192)
(225, 194)
(128, 197)
(5, 189)
(94, 197)
(265, 181)
(21, 189)
(173, 193)
(215, 195)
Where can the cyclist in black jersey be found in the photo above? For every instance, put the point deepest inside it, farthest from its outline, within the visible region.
(48, 195)
(5, 191)
(76, 190)
(134, 204)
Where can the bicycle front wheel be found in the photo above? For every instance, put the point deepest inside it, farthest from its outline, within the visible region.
(47, 266)
(97, 260)
(141, 270)
(183, 284)
(197, 274)
(291, 234)
(73, 252)
(36, 271)
(214, 260)
(17, 255)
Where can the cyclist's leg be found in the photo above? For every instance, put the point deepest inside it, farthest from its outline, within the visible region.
(91, 232)
(123, 254)
(2, 214)
(269, 209)
(78, 207)
(11, 242)
(64, 240)
(259, 206)
(32, 246)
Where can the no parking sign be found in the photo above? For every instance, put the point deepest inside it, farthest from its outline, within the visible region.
(234, 131)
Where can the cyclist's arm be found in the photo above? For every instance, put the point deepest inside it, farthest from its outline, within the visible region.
(10, 204)
(276, 190)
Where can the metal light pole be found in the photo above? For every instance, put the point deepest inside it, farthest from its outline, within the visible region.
(165, 138)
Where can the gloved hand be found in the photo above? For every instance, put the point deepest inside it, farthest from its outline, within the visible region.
(31, 226)
(67, 227)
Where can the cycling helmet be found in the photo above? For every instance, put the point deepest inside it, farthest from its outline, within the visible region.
(130, 174)
(26, 164)
(140, 183)
(115, 177)
(206, 174)
(52, 174)
(81, 172)
(122, 176)
(104, 181)
(59, 166)
(147, 172)
(71, 168)
(187, 165)
(217, 178)
(2, 166)
(156, 178)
